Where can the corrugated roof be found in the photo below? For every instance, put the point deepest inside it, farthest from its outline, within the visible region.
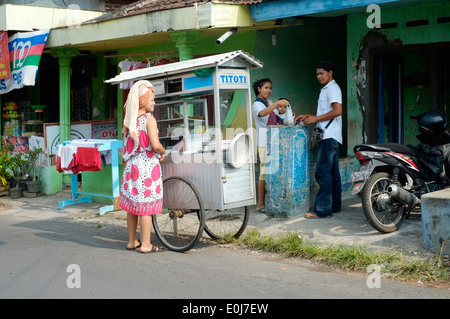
(145, 6)
(187, 66)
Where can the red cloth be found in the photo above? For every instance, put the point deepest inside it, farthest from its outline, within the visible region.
(61, 169)
(88, 159)
(66, 160)
(77, 159)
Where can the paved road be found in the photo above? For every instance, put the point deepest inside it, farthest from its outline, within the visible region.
(61, 254)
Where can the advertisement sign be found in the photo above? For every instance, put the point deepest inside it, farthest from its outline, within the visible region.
(20, 142)
(5, 71)
(104, 130)
(77, 131)
(25, 50)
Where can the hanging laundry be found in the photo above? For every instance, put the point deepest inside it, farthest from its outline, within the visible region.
(139, 65)
(66, 160)
(126, 65)
(130, 65)
(88, 159)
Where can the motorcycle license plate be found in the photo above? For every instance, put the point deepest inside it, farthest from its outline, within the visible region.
(357, 187)
(359, 176)
(358, 179)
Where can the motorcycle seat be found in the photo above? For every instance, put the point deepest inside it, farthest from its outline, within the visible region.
(386, 147)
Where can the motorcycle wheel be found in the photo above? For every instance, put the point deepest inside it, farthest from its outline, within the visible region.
(384, 213)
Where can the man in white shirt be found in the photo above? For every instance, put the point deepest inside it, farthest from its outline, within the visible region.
(329, 108)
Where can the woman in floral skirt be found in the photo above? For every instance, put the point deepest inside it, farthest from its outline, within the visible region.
(141, 192)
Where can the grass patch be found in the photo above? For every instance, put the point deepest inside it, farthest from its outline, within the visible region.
(393, 265)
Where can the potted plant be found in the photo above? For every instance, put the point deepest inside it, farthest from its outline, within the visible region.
(22, 164)
(17, 166)
(33, 185)
(5, 167)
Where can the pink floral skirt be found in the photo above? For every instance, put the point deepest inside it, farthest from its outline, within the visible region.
(141, 191)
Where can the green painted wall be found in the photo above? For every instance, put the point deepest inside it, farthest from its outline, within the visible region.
(51, 179)
(90, 183)
(291, 64)
(238, 41)
(100, 106)
(414, 63)
(404, 38)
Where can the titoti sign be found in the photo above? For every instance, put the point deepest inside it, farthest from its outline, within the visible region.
(25, 50)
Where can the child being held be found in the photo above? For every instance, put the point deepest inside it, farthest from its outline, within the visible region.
(281, 115)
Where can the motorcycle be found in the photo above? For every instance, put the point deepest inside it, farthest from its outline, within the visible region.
(392, 177)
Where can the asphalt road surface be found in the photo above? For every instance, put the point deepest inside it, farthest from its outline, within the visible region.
(63, 259)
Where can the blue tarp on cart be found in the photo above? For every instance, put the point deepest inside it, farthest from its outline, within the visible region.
(287, 171)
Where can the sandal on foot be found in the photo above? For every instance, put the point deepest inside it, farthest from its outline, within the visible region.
(315, 216)
(136, 247)
(155, 249)
(261, 210)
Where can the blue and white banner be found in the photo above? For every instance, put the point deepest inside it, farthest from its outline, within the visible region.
(25, 50)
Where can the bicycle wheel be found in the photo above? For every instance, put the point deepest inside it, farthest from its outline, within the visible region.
(229, 222)
(180, 225)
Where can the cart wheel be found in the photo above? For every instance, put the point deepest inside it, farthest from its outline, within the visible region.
(229, 222)
(180, 225)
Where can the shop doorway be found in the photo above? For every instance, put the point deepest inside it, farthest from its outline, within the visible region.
(398, 76)
(390, 104)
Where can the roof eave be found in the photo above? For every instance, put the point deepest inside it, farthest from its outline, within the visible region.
(108, 34)
(187, 66)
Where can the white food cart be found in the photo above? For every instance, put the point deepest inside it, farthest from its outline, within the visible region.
(203, 110)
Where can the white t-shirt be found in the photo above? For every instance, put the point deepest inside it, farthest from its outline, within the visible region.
(260, 123)
(126, 65)
(330, 93)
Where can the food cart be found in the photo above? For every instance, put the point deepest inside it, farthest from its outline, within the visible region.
(204, 116)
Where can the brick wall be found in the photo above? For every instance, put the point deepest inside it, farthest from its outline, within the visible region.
(111, 5)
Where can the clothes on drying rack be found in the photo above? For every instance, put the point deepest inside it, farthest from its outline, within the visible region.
(88, 159)
(105, 156)
(82, 155)
(75, 159)
(66, 159)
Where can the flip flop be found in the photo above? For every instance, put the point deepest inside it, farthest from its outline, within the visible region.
(155, 249)
(315, 216)
(138, 246)
(262, 210)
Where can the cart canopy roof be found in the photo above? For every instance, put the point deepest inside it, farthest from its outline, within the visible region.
(236, 59)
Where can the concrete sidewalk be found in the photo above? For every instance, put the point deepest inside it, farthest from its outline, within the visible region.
(348, 227)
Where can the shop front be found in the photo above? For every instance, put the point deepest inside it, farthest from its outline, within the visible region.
(30, 103)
